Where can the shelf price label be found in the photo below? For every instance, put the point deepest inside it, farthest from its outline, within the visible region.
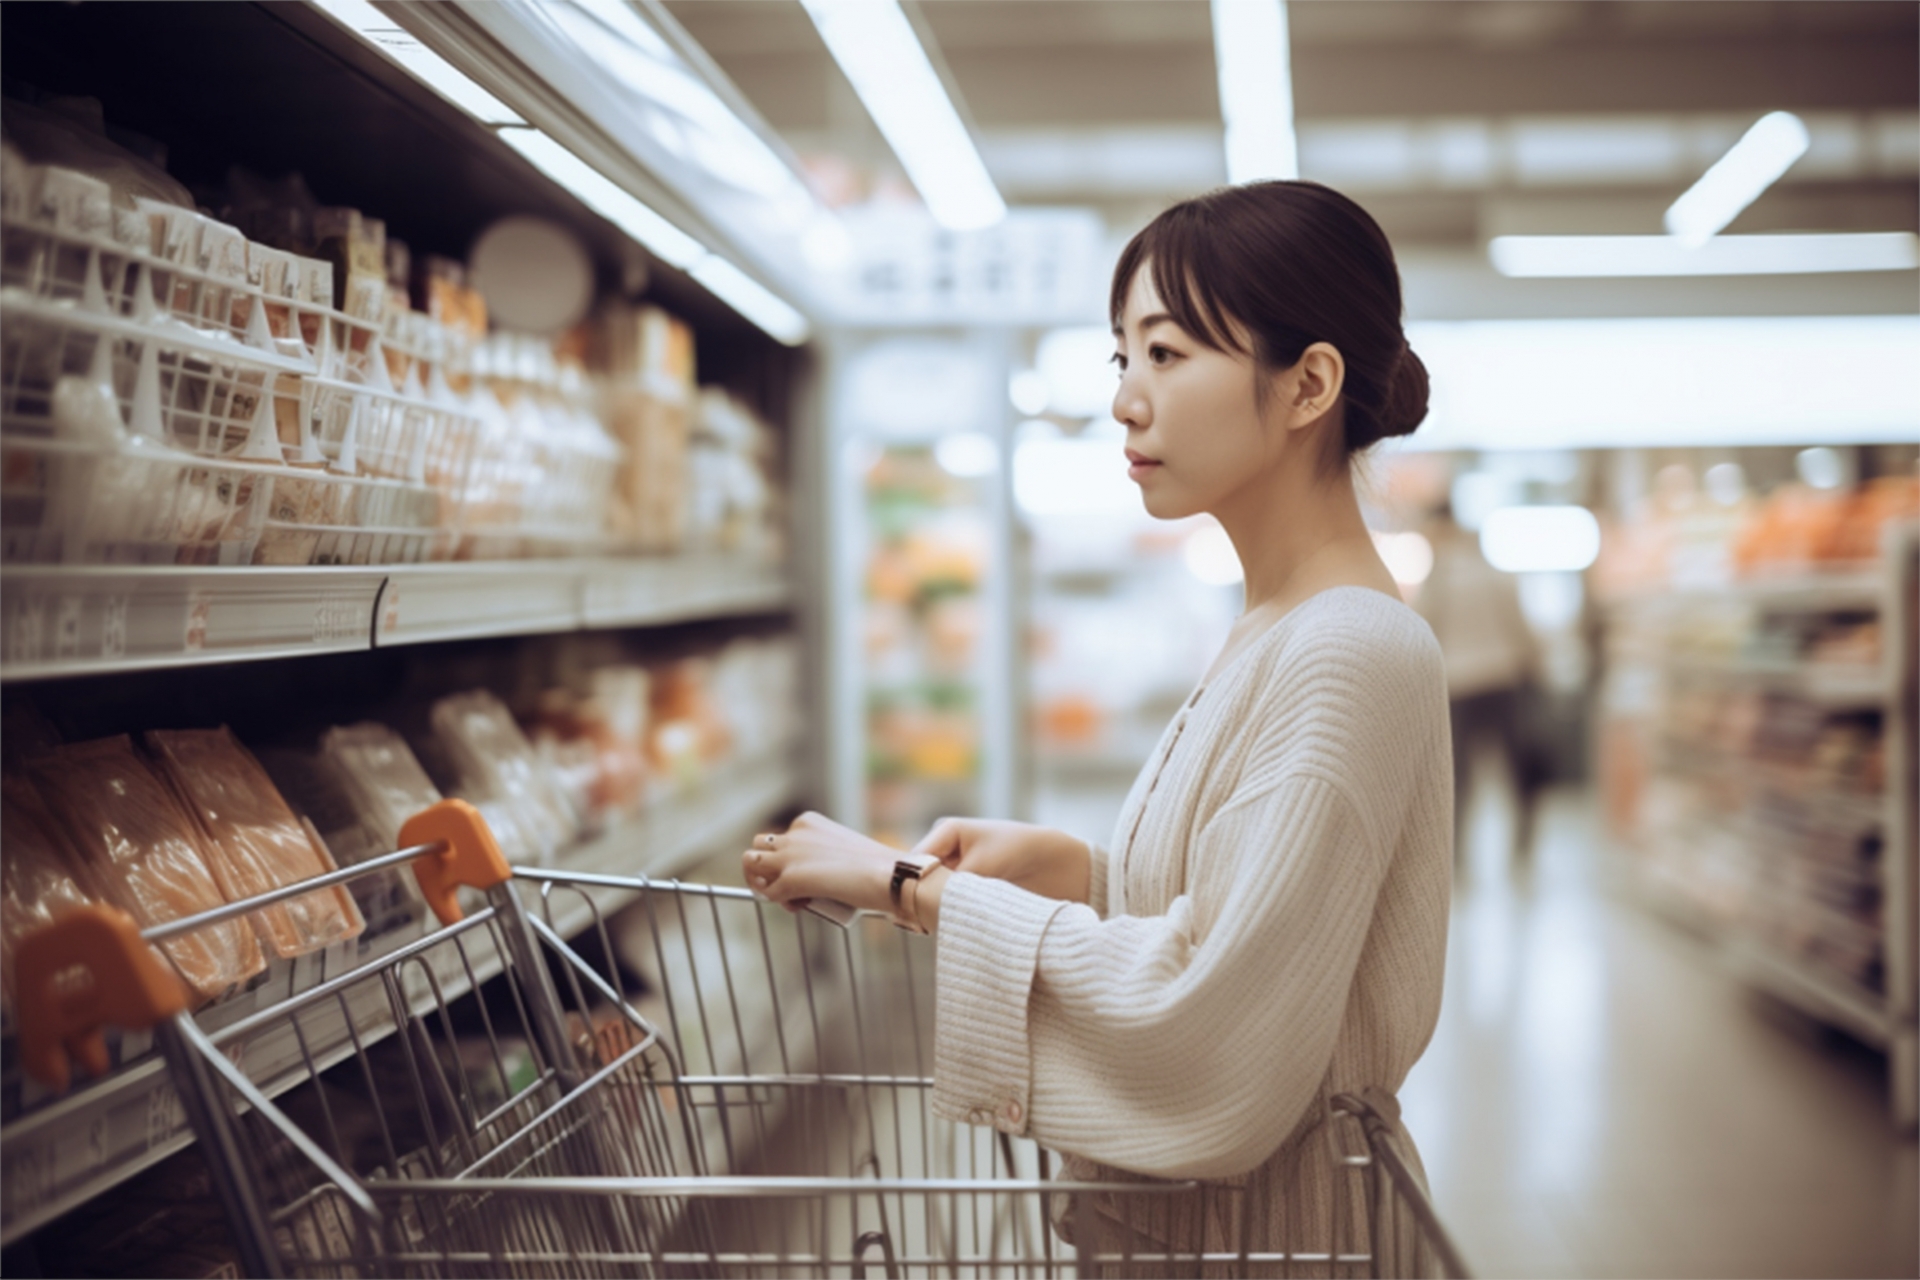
(199, 615)
(337, 620)
(26, 630)
(113, 627)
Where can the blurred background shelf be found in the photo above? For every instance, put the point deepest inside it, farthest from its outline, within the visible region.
(69, 1150)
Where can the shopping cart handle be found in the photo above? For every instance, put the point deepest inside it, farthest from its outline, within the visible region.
(472, 858)
(87, 970)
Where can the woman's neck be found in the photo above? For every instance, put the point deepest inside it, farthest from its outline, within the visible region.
(1298, 537)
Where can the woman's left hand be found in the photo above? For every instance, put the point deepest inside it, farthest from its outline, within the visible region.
(818, 858)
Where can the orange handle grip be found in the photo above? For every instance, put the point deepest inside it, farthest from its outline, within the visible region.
(87, 970)
(473, 856)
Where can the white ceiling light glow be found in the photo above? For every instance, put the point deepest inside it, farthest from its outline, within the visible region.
(1751, 165)
(1253, 54)
(426, 66)
(1569, 257)
(607, 198)
(1668, 381)
(1210, 557)
(1540, 539)
(969, 454)
(662, 239)
(751, 299)
(888, 68)
(1408, 556)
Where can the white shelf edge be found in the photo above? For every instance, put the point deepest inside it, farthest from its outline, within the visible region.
(727, 805)
(311, 610)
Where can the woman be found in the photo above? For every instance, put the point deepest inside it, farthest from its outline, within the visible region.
(1268, 928)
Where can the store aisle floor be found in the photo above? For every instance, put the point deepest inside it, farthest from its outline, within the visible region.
(1601, 1099)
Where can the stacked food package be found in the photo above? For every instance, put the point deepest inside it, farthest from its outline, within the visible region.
(286, 385)
(178, 822)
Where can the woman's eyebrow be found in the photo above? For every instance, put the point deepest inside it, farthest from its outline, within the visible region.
(1146, 323)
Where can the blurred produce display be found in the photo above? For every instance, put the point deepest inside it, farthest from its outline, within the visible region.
(929, 545)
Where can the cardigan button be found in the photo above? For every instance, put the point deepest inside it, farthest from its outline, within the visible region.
(1011, 1113)
(979, 1115)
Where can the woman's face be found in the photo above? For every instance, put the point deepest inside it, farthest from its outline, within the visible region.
(1195, 434)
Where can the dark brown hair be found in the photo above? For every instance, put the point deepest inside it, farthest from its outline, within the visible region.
(1288, 264)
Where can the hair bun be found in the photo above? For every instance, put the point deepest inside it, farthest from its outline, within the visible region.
(1404, 404)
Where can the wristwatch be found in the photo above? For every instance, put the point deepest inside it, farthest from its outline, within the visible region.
(909, 870)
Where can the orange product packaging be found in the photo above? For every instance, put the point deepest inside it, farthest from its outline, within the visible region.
(38, 880)
(133, 838)
(254, 841)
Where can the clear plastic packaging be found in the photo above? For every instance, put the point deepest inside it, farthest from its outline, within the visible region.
(498, 767)
(132, 836)
(316, 789)
(383, 779)
(256, 842)
(38, 879)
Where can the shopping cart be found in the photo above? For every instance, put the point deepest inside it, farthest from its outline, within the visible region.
(705, 1085)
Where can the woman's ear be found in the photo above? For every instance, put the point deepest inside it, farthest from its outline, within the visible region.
(1316, 379)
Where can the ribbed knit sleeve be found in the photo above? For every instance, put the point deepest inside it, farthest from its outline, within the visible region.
(989, 943)
(1097, 885)
(1163, 1047)
(1287, 848)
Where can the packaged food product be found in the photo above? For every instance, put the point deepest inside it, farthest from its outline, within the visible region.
(497, 765)
(132, 837)
(255, 841)
(333, 810)
(38, 877)
(356, 245)
(383, 778)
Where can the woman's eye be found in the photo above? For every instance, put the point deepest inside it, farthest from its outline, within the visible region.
(1117, 359)
(1160, 355)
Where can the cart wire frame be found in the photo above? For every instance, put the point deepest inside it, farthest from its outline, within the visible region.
(725, 1088)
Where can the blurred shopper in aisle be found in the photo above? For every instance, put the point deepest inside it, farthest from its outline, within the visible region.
(1493, 664)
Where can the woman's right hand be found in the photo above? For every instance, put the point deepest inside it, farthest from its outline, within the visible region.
(1041, 860)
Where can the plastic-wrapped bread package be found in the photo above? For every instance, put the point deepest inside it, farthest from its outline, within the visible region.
(498, 766)
(38, 878)
(325, 798)
(255, 842)
(144, 850)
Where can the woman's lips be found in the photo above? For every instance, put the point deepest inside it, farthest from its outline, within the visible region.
(1139, 465)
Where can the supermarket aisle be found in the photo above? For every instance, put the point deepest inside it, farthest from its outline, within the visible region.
(1601, 1100)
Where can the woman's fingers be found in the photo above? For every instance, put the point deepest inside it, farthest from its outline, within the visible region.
(947, 841)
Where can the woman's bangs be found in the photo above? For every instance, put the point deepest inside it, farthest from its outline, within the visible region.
(1169, 245)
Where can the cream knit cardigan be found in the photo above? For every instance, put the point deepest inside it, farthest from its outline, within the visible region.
(1269, 929)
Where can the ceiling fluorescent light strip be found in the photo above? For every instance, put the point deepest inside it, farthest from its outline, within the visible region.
(751, 299)
(889, 69)
(1567, 257)
(660, 237)
(426, 66)
(1751, 165)
(1253, 54)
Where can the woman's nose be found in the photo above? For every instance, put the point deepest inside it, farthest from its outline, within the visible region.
(1130, 408)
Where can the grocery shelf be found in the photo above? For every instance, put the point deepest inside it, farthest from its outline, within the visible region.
(1845, 587)
(65, 1153)
(1805, 985)
(1836, 685)
(69, 620)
